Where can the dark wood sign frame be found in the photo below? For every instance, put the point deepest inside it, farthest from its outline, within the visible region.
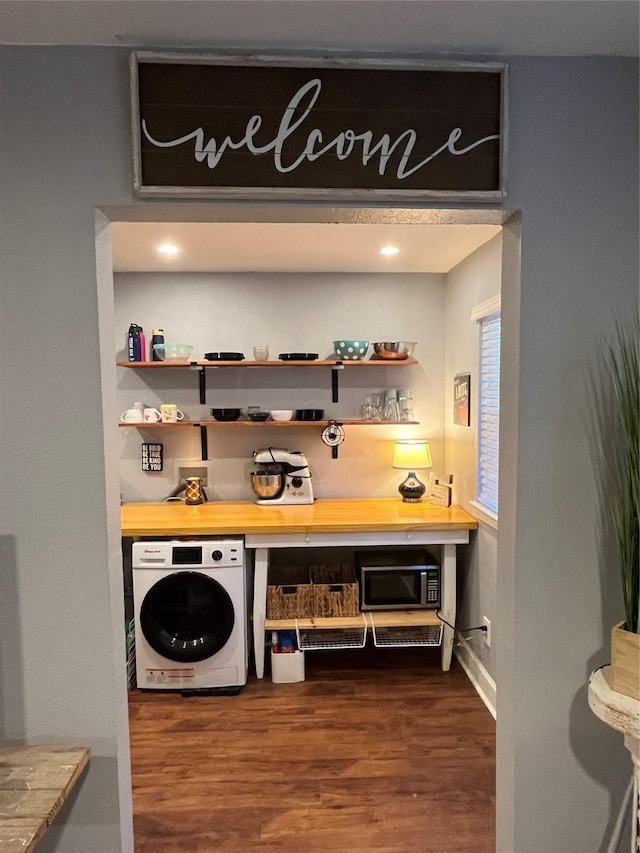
(284, 128)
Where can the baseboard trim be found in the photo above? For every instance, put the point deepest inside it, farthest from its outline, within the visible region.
(484, 685)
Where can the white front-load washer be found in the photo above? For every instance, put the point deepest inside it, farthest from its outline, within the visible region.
(190, 608)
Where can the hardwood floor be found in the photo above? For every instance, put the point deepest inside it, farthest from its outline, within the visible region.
(377, 751)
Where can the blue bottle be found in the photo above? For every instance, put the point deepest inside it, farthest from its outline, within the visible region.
(157, 337)
(134, 344)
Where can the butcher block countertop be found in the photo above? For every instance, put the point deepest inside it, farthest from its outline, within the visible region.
(353, 515)
(34, 783)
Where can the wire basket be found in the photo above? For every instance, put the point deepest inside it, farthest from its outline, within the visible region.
(406, 635)
(322, 639)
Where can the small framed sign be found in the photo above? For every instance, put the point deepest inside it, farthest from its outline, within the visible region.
(461, 399)
(296, 128)
(440, 488)
(152, 457)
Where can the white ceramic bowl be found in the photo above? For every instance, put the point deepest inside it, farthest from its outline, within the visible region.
(281, 414)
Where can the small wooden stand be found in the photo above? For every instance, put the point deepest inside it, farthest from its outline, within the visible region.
(621, 713)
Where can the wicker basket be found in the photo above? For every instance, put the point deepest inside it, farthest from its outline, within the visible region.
(335, 591)
(289, 593)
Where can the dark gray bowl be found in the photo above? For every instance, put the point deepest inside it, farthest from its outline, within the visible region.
(226, 414)
(308, 414)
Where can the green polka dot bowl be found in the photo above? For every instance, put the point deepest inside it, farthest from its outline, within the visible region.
(350, 350)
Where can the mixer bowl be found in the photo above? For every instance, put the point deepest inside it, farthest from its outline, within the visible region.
(266, 485)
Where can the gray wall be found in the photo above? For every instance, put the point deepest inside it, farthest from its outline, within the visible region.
(290, 313)
(63, 149)
(574, 174)
(476, 279)
(573, 171)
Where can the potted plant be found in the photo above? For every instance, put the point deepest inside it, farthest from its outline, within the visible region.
(617, 462)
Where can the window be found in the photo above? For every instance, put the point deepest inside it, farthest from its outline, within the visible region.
(487, 316)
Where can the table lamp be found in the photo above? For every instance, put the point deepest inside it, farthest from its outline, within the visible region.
(412, 454)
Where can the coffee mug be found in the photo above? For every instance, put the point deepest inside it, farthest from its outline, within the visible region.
(152, 416)
(170, 413)
(132, 416)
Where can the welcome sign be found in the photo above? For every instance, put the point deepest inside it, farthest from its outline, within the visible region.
(220, 127)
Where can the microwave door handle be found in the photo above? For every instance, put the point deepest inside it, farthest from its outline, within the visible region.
(423, 587)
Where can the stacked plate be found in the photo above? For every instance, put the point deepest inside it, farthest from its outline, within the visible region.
(298, 356)
(224, 356)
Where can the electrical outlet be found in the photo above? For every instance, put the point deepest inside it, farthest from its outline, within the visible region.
(193, 471)
(487, 633)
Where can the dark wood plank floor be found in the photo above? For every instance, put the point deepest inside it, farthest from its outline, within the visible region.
(377, 751)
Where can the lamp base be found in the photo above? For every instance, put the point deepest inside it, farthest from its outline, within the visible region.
(412, 489)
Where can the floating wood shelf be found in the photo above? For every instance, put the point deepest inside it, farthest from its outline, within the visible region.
(324, 423)
(369, 362)
(201, 367)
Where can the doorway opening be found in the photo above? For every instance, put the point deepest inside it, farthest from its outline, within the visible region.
(508, 221)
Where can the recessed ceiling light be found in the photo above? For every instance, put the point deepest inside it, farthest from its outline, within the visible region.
(168, 249)
(389, 250)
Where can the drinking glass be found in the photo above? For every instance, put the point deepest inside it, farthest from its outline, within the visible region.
(368, 409)
(391, 411)
(376, 403)
(406, 408)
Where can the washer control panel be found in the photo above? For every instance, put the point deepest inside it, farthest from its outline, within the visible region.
(192, 554)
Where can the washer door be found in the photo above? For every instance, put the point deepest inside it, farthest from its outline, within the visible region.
(187, 617)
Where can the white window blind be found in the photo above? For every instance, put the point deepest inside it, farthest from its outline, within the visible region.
(489, 411)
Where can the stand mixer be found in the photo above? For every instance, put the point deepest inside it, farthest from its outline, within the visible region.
(283, 477)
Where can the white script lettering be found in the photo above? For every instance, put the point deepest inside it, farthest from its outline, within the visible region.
(296, 112)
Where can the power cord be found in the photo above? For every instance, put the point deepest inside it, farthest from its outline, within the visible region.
(461, 631)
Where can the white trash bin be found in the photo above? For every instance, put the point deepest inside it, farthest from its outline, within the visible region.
(287, 667)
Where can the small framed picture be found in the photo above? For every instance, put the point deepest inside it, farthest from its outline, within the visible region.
(152, 457)
(461, 399)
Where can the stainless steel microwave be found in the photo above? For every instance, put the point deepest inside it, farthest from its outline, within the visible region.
(398, 580)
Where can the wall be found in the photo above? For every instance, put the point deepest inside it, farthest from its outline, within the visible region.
(63, 144)
(575, 124)
(471, 282)
(233, 312)
(573, 171)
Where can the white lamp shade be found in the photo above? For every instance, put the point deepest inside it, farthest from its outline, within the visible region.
(412, 454)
